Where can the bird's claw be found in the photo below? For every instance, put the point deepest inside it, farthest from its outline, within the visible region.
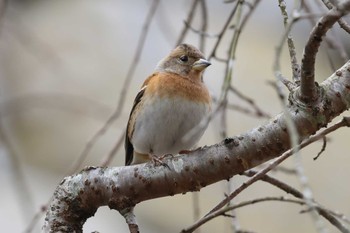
(157, 161)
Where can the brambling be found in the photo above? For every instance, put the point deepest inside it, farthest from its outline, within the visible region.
(172, 101)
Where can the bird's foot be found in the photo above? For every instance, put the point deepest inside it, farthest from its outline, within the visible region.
(158, 161)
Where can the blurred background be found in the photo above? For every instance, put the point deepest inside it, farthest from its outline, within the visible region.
(62, 69)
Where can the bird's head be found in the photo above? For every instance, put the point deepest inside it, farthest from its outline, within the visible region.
(185, 60)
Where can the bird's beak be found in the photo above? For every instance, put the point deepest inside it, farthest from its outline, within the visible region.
(201, 64)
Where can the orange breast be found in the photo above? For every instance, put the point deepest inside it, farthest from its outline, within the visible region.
(172, 85)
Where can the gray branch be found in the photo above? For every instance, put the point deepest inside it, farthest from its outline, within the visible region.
(79, 196)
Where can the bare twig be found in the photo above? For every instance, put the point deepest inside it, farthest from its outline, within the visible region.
(224, 29)
(120, 104)
(3, 5)
(342, 23)
(250, 101)
(281, 185)
(286, 35)
(188, 22)
(344, 122)
(68, 103)
(255, 176)
(308, 92)
(324, 139)
(235, 226)
(330, 215)
(247, 111)
(35, 219)
(196, 207)
(107, 160)
(17, 176)
(286, 170)
(204, 26)
(278, 88)
(124, 90)
(290, 125)
(229, 64)
(233, 46)
(200, 32)
(130, 219)
(222, 212)
(223, 120)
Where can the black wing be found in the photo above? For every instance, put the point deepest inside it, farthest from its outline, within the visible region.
(129, 148)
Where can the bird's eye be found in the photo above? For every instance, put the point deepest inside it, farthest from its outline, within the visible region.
(184, 58)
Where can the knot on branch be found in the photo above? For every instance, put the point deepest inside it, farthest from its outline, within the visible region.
(296, 98)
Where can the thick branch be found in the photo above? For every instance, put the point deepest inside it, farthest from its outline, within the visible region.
(78, 196)
(308, 90)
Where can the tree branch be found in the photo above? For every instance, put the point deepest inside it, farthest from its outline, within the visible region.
(308, 89)
(78, 197)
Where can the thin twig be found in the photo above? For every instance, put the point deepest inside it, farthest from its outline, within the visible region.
(204, 26)
(36, 218)
(108, 159)
(121, 101)
(259, 175)
(247, 111)
(233, 46)
(324, 212)
(286, 170)
(295, 66)
(250, 101)
(223, 121)
(330, 215)
(223, 30)
(223, 211)
(130, 219)
(274, 181)
(324, 139)
(196, 207)
(342, 23)
(308, 92)
(188, 21)
(344, 122)
(229, 65)
(200, 32)
(235, 226)
(17, 176)
(124, 90)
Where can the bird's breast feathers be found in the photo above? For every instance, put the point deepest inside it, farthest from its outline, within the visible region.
(162, 85)
(167, 111)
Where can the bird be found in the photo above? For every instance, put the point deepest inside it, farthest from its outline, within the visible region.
(172, 101)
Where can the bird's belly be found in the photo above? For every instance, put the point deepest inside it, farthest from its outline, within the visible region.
(161, 127)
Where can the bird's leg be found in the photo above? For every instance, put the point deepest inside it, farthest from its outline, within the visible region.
(166, 155)
(158, 160)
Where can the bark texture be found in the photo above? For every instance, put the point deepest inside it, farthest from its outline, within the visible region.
(78, 197)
